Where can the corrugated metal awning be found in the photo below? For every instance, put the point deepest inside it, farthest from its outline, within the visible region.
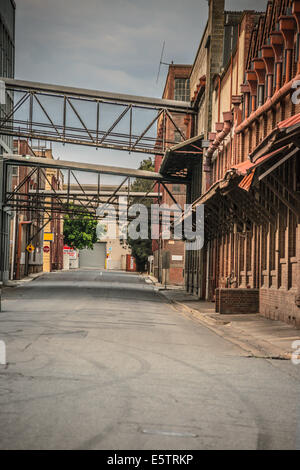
(248, 178)
(286, 132)
(180, 159)
(289, 122)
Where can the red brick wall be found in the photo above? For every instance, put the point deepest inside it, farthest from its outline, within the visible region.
(280, 305)
(176, 276)
(176, 272)
(237, 300)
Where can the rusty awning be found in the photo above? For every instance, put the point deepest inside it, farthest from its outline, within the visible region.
(180, 159)
(285, 133)
(283, 153)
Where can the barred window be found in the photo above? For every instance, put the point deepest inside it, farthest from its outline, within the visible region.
(182, 89)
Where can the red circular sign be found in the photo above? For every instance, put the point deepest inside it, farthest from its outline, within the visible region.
(46, 249)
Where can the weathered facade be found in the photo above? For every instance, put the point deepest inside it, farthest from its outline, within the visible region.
(214, 94)
(32, 227)
(258, 249)
(53, 240)
(244, 86)
(24, 229)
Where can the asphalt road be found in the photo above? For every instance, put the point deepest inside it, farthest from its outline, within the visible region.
(102, 361)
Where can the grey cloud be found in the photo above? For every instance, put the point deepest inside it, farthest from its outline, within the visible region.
(112, 45)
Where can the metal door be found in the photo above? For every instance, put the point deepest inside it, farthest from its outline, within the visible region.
(93, 258)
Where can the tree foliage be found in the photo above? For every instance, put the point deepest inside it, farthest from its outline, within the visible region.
(141, 184)
(80, 231)
(141, 249)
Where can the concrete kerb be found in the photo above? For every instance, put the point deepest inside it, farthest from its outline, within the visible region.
(254, 347)
(226, 330)
(19, 282)
(152, 280)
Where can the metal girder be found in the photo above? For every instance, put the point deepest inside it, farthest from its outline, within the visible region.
(171, 195)
(113, 196)
(80, 116)
(173, 105)
(18, 160)
(34, 198)
(72, 192)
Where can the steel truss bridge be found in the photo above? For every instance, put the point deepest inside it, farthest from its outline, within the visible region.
(84, 117)
(69, 201)
(89, 117)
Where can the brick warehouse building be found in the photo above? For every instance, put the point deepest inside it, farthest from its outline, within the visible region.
(53, 243)
(248, 177)
(25, 229)
(176, 88)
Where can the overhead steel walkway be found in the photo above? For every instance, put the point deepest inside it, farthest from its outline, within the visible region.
(89, 117)
(24, 198)
(92, 118)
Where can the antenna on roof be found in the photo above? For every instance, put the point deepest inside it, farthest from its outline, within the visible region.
(161, 62)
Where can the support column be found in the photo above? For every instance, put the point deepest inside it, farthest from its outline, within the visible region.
(245, 90)
(277, 45)
(4, 226)
(251, 78)
(268, 58)
(259, 67)
(287, 27)
(296, 15)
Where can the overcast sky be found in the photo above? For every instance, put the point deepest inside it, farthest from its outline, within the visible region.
(111, 45)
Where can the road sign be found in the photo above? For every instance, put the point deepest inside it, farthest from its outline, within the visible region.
(73, 254)
(46, 249)
(30, 248)
(48, 237)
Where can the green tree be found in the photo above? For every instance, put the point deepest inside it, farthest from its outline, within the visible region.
(80, 231)
(141, 249)
(141, 184)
